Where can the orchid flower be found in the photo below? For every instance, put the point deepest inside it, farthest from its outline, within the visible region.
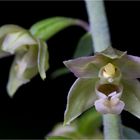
(107, 80)
(31, 55)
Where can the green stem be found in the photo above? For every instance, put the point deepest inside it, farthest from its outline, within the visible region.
(101, 38)
(98, 25)
(111, 127)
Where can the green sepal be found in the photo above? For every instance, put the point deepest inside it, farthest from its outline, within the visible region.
(86, 67)
(112, 53)
(129, 66)
(80, 98)
(131, 96)
(129, 133)
(22, 70)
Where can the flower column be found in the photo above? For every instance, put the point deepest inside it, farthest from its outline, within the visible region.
(101, 39)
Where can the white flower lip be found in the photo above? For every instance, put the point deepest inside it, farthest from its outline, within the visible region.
(109, 98)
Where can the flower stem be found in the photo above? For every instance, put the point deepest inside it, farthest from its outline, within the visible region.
(101, 40)
(98, 25)
(111, 127)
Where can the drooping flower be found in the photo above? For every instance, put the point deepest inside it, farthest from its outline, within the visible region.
(106, 80)
(31, 55)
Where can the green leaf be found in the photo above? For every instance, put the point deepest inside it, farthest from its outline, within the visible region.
(47, 28)
(89, 122)
(87, 126)
(131, 96)
(129, 133)
(43, 58)
(85, 46)
(80, 98)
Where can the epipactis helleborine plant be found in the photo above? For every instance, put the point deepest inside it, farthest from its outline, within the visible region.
(106, 80)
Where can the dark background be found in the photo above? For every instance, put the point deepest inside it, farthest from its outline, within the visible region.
(39, 105)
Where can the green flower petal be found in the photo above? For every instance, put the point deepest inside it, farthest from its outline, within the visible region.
(131, 96)
(86, 67)
(129, 133)
(129, 66)
(80, 98)
(112, 53)
(43, 58)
